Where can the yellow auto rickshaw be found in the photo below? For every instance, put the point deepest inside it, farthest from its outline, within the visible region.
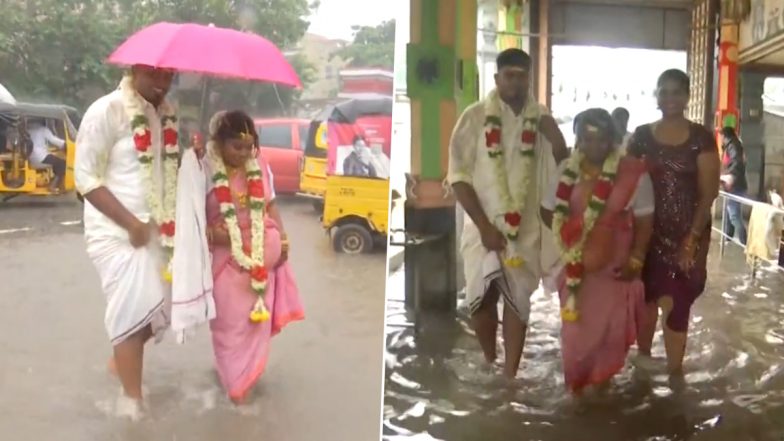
(313, 165)
(356, 197)
(18, 176)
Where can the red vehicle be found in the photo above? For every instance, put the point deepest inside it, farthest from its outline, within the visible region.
(282, 142)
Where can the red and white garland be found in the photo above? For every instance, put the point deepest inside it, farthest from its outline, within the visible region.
(512, 200)
(161, 197)
(250, 260)
(571, 234)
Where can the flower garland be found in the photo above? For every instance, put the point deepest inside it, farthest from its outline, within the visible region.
(571, 234)
(512, 204)
(250, 260)
(160, 201)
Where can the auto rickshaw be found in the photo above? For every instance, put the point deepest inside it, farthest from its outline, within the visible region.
(18, 176)
(325, 129)
(356, 205)
(313, 165)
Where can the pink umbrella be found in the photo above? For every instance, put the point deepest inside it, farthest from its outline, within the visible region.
(207, 50)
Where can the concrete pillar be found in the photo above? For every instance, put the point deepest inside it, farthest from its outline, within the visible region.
(540, 25)
(514, 25)
(442, 80)
(727, 114)
(509, 27)
(489, 20)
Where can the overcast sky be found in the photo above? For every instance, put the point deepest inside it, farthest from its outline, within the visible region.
(334, 18)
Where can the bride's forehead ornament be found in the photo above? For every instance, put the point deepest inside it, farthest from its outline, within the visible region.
(246, 135)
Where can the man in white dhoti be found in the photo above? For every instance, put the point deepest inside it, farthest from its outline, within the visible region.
(503, 152)
(126, 166)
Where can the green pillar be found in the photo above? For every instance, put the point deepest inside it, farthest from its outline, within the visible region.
(441, 78)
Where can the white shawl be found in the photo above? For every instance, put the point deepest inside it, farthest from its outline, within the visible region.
(192, 300)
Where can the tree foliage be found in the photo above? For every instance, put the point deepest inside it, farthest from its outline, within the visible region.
(54, 50)
(51, 48)
(373, 46)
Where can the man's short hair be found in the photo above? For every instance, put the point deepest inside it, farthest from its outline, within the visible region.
(513, 57)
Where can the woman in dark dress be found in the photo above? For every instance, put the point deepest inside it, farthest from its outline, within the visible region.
(684, 166)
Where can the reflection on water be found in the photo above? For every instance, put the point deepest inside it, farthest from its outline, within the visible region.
(437, 387)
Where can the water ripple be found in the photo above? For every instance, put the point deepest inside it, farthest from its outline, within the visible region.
(438, 387)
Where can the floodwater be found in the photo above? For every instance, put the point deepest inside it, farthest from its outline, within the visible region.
(436, 388)
(54, 348)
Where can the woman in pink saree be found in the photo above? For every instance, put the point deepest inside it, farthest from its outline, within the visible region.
(601, 211)
(241, 343)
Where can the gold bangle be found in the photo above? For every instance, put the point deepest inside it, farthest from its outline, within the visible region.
(635, 263)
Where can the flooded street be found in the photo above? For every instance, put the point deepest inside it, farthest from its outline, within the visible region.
(322, 382)
(436, 388)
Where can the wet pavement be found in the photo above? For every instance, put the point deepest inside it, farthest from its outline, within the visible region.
(323, 380)
(436, 389)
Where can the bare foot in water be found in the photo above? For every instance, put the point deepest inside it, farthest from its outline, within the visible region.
(127, 407)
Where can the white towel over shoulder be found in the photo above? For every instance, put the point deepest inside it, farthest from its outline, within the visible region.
(192, 301)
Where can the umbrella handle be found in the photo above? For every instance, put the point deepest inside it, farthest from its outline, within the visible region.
(203, 109)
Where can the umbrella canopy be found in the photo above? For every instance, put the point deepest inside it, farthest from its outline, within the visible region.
(207, 50)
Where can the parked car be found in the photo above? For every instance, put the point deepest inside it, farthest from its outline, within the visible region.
(282, 142)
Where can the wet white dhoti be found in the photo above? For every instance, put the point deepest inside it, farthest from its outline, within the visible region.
(136, 294)
(483, 269)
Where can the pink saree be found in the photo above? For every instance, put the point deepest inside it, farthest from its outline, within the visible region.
(594, 348)
(241, 347)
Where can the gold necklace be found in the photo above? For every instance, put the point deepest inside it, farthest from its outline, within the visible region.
(240, 196)
(232, 171)
(589, 171)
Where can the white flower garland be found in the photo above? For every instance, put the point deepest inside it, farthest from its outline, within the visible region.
(571, 242)
(253, 263)
(162, 207)
(512, 201)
